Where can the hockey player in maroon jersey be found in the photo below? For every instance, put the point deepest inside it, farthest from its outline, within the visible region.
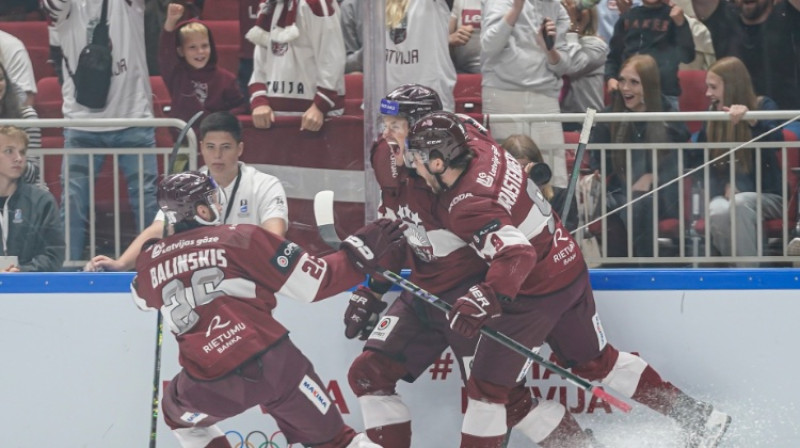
(536, 290)
(215, 286)
(413, 335)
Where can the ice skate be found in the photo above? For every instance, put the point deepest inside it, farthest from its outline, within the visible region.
(703, 425)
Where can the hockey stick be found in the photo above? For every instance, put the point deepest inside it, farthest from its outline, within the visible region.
(182, 135)
(159, 318)
(588, 121)
(323, 213)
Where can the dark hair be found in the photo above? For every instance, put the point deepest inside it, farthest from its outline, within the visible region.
(222, 121)
(9, 103)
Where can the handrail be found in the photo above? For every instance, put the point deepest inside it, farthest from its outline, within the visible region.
(643, 116)
(189, 149)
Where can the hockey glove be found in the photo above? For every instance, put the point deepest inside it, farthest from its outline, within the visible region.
(379, 243)
(362, 313)
(472, 310)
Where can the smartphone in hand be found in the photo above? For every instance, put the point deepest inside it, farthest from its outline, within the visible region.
(549, 41)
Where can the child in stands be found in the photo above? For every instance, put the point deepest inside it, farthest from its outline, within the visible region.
(188, 64)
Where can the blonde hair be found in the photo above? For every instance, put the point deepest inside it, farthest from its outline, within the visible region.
(395, 12)
(191, 28)
(16, 133)
(523, 147)
(738, 89)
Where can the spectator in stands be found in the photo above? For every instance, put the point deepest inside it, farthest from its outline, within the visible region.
(522, 75)
(188, 62)
(583, 81)
(353, 32)
(248, 12)
(465, 36)
(704, 53)
(639, 91)
(129, 97)
(771, 50)
(528, 154)
(155, 14)
(32, 231)
(417, 51)
(10, 109)
(298, 63)
(722, 21)
(656, 28)
(730, 89)
(251, 197)
(14, 57)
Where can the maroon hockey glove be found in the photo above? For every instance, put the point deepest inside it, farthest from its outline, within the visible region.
(379, 243)
(362, 313)
(472, 310)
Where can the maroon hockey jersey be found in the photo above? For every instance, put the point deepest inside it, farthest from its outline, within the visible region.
(440, 260)
(216, 286)
(509, 223)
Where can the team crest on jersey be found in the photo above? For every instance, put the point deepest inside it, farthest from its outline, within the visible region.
(279, 48)
(416, 235)
(200, 91)
(399, 34)
(285, 256)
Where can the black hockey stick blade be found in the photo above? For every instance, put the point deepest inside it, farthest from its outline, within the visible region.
(323, 213)
(586, 130)
(179, 140)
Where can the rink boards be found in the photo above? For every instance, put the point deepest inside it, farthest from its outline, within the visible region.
(78, 361)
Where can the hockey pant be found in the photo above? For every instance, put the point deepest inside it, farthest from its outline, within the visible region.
(373, 378)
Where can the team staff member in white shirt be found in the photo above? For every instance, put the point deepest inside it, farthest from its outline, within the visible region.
(251, 197)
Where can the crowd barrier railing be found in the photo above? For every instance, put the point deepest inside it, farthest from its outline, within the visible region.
(54, 175)
(688, 244)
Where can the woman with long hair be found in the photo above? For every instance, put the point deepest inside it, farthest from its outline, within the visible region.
(10, 108)
(639, 91)
(730, 89)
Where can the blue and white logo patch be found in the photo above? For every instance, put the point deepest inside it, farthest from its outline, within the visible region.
(193, 418)
(389, 107)
(315, 394)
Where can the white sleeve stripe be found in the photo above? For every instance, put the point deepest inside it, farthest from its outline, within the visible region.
(534, 223)
(509, 235)
(300, 285)
(326, 98)
(258, 93)
(444, 242)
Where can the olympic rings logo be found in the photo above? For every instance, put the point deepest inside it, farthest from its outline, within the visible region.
(245, 441)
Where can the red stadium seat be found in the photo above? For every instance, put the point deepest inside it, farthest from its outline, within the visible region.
(467, 93)
(693, 95)
(220, 10)
(226, 40)
(49, 100)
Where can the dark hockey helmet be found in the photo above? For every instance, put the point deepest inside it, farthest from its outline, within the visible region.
(411, 101)
(179, 194)
(437, 135)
